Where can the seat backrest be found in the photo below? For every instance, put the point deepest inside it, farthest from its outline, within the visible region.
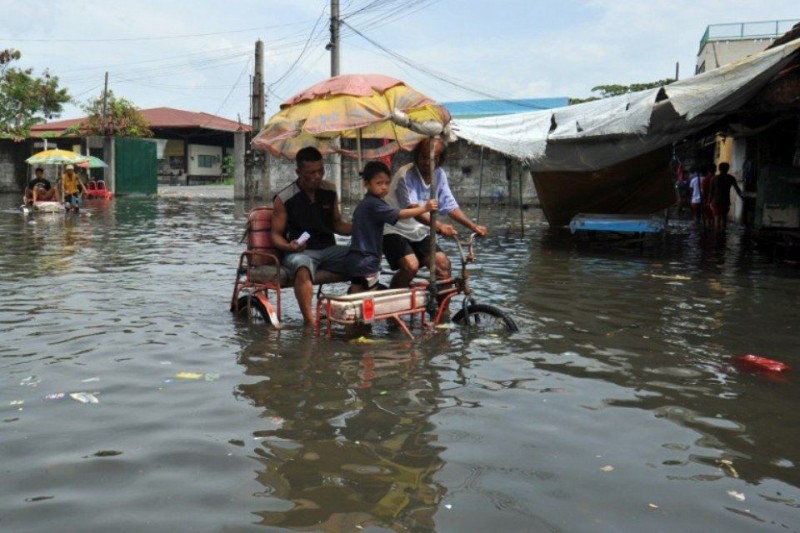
(92, 185)
(101, 185)
(259, 238)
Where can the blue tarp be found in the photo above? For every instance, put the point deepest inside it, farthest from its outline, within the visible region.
(486, 108)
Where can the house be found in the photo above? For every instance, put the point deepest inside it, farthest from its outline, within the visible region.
(191, 147)
(722, 44)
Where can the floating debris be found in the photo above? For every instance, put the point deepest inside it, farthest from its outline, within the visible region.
(738, 496)
(56, 396)
(84, 397)
(727, 464)
(365, 340)
(30, 381)
(197, 376)
(607, 468)
(676, 277)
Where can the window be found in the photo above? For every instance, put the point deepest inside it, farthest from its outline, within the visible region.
(205, 161)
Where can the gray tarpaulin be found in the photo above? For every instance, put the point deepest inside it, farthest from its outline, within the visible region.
(610, 155)
(597, 134)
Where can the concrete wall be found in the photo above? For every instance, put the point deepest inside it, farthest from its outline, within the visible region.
(500, 184)
(212, 152)
(718, 53)
(13, 170)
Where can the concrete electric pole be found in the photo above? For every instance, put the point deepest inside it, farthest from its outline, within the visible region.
(333, 46)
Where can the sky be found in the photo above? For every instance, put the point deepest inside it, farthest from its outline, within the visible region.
(198, 55)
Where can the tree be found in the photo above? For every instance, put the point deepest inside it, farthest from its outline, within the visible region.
(606, 91)
(121, 118)
(26, 100)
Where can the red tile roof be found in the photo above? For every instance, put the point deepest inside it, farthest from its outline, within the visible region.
(158, 117)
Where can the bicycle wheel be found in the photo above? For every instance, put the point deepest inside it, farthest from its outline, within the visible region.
(485, 317)
(255, 312)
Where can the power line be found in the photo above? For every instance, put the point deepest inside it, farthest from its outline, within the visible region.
(311, 35)
(159, 38)
(441, 77)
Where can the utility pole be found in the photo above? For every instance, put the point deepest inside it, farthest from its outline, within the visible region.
(333, 46)
(105, 100)
(258, 89)
(110, 172)
(255, 162)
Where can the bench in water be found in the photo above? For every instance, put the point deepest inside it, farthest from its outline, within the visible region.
(635, 224)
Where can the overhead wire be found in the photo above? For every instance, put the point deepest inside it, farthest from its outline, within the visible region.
(455, 82)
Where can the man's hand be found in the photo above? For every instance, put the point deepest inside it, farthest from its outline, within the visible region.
(295, 246)
(447, 230)
(480, 230)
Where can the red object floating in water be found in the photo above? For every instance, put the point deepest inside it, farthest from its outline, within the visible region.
(754, 362)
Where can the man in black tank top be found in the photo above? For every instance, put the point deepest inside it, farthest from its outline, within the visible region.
(309, 205)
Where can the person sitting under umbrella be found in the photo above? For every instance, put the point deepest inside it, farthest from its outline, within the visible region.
(39, 188)
(72, 187)
(309, 205)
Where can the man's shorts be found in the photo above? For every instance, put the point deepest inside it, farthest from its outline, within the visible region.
(395, 247)
(330, 258)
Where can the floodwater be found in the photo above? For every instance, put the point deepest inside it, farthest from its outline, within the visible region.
(616, 407)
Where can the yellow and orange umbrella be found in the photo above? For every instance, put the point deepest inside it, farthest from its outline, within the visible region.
(56, 157)
(353, 106)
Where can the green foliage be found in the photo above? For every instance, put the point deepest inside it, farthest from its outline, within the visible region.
(26, 100)
(121, 118)
(228, 165)
(605, 91)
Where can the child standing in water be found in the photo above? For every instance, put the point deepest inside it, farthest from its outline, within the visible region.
(366, 247)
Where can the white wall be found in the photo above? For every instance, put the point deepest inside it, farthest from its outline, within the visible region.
(198, 152)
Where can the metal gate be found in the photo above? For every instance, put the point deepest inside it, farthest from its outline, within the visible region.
(135, 166)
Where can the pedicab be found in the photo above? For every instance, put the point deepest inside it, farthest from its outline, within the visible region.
(357, 106)
(96, 189)
(50, 157)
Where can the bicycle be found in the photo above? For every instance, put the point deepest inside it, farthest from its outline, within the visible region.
(421, 298)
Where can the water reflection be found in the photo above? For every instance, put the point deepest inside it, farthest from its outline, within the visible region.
(347, 439)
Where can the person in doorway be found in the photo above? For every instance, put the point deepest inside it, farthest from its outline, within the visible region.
(366, 247)
(406, 244)
(72, 188)
(309, 205)
(705, 188)
(39, 189)
(695, 186)
(720, 195)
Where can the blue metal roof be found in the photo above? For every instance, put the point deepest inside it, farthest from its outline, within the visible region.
(484, 108)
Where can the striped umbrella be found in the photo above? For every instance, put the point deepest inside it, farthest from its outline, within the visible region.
(92, 162)
(56, 157)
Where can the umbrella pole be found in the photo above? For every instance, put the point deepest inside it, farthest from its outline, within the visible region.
(358, 148)
(521, 209)
(432, 250)
(480, 187)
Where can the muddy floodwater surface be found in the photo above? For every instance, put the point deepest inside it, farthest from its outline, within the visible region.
(132, 399)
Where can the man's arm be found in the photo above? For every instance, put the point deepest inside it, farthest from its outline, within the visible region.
(340, 226)
(459, 216)
(736, 187)
(278, 231)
